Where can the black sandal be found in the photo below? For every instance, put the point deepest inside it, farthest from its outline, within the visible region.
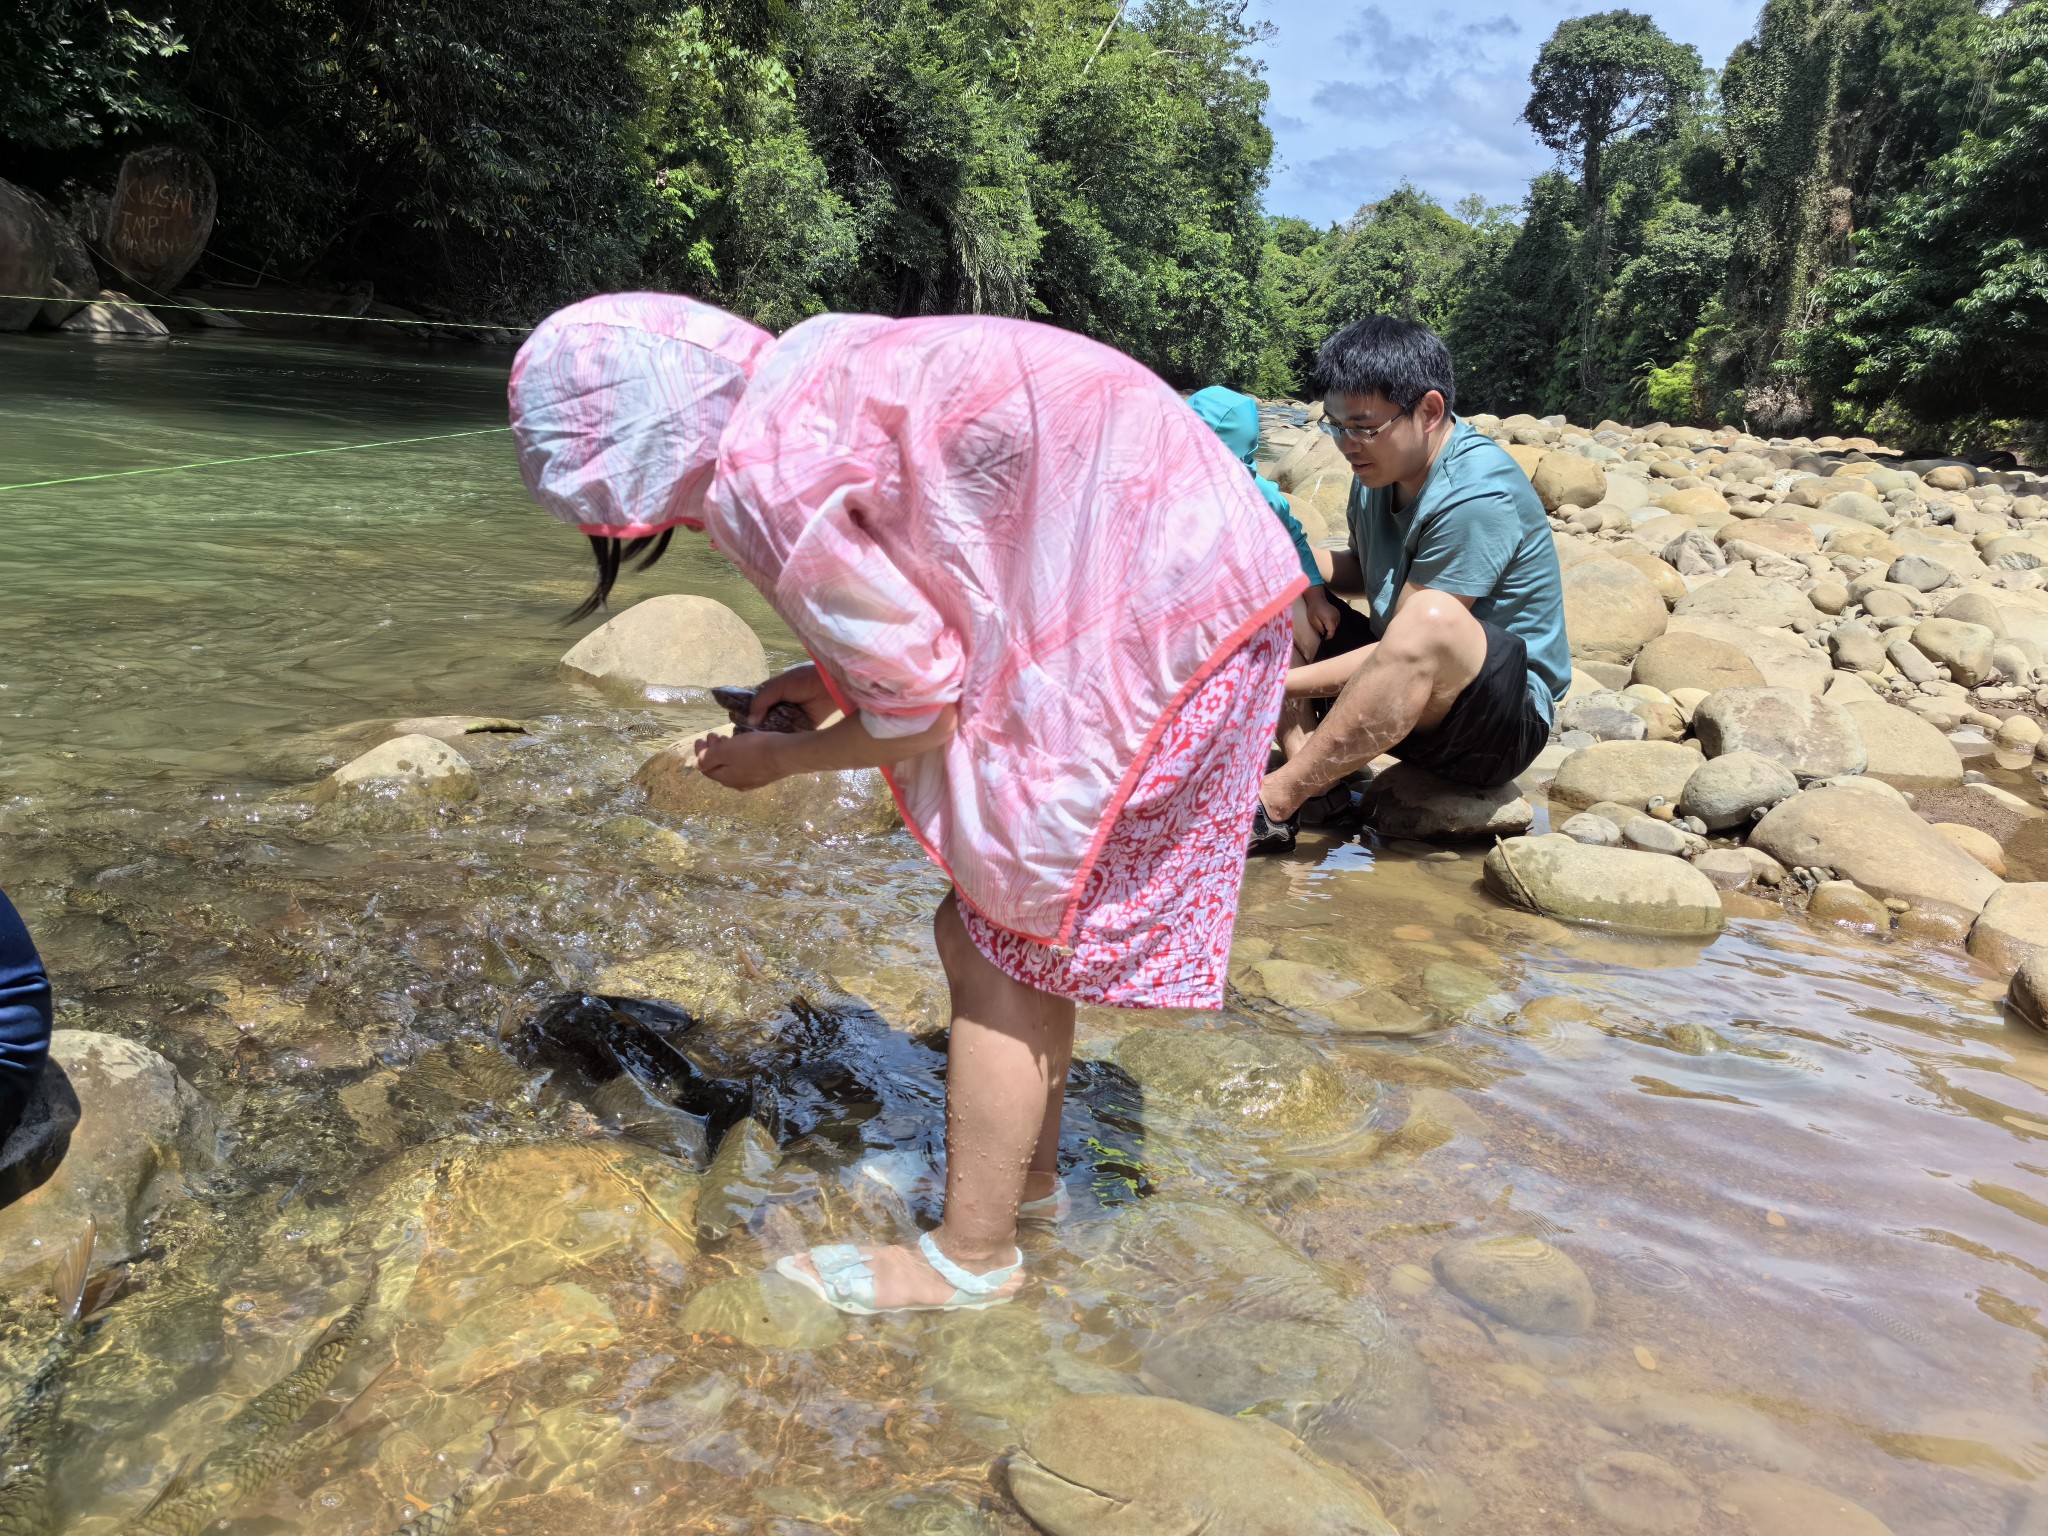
(1269, 836)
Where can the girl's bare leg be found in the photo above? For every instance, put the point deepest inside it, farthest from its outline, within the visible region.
(1005, 1087)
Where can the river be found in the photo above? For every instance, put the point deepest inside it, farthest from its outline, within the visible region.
(1804, 1172)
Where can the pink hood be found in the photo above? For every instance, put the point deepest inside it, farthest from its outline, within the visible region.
(1015, 519)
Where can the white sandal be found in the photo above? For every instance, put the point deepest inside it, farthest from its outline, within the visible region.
(1057, 1206)
(846, 1282)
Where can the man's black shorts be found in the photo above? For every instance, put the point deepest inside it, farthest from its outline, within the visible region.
(1493, 730)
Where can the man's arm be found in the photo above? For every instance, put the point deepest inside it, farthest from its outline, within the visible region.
(1326, 679)
(1342, 570)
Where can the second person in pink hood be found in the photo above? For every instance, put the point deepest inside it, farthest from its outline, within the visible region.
(1053, 611)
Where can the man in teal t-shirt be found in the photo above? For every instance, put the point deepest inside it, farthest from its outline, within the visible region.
(1459, 660)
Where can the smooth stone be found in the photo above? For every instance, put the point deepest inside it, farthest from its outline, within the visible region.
(1773, 1504)
(1595, 831)
(1844, 902)
(405, 768)
(1965, 649)
(1638, 1492)
(1730, 869)
(1918, 572)
(519, 1328)
(1728, 790)
(1523, 1281)
(1630, 773)
(733, 1185)
(113, 317)
(1256, 1081)
(1274, 1369)
(1350, 1006)
(1976, 608)
(1463, 991)
(1603, 717)
(1114, 1465)
(1620, 887)
(1759, 602)
(1565, 479)
(1882, 846)
(766, 1311)
(1979, 845)
(1784, 658)
(672, 641)
(1913, 663)
(1611, 610)
(1904, 750)
(141, 1129)
(1410, 802)
(1652, 835)
(2019, 733)
(2028, 992)
(1857, 648)
(1809, 736)
(2012, 926)
(854, 802)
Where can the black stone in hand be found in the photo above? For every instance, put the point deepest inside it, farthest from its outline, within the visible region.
(739, 702)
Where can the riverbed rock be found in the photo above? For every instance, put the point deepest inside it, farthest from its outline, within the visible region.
(1857, 648)
(1565, 479)
(1847, 903)
(1757, 601)
(1523, 1281)
(73, 273)
(1918, 572)
(736, 1181)
(112, 316)
(1772, 1504)
(669, 642)
(766, 1311)
(1251, 1081)
(161, 216)
(419, 769)
(1407, 801)
(1810, 736)
(1611, 610)
(1728, 790)
(1978, 844)
(1881, 845)
(2013, 924)
(1116, 1465)
(1785, 659)
(1634, 891)
(1965, 649)
(1672, 662)
(1730, 869)
(2028, 992)
(1596, 831)
(1636, 1492)
(854, 802)
(1604, 716)
(1903, 750)
(1630, 773)
(1976, 608)
(28, 258)
(141, 1130)
(1350, 1005)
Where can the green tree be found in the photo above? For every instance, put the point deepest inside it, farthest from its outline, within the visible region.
(1599, 82)
(74, 73)
(1515, 338)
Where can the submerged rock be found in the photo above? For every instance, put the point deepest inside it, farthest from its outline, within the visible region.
(670, 642)
(766, 1311)
(1255, 1081)
(1115, 1465)
(1640, 1493)
(1523, 1281)
(733, 1184)
(421, 769)
(1772, 1504)
(853, 803)
(1640, 892)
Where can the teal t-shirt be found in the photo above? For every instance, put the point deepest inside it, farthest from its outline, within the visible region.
(1477, 530)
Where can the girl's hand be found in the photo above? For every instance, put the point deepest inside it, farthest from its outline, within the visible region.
(744, 762)
(801, 686)
(1323, 615)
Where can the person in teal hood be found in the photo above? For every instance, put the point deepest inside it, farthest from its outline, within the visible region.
(1235, 418)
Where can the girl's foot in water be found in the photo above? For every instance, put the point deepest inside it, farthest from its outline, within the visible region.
(920, 1278)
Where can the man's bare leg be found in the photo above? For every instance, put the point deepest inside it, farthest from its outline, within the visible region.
(1430, 653)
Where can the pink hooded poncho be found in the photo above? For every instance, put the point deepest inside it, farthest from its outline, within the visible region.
(981, 512)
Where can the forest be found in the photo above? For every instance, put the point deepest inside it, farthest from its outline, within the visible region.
(1842, 227)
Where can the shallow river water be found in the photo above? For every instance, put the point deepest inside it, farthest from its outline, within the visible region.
(1805, 1172)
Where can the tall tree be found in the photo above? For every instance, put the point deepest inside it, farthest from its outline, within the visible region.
(1601, 81)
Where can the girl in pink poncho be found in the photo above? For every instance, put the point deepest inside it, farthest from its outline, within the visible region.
(1053, 611)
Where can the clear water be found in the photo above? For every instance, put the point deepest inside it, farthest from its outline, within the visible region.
(1819, 1248)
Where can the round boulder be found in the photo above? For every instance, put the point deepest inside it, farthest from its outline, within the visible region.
(2028, 993)
(1255, 1081)
(1965, 649)
(672, 641)
(2012, 926)
(853, 802)
(1566, 479)
(404, 768)
(1812, 737)
(161, 216)
(1611, 610)
(28, 258)
(1761, 602)
(1523, 1281)
(1728, 790)
(1905, 751)
(1620, 887)
(1672, 662)
(1631, 773)
(1880, 844)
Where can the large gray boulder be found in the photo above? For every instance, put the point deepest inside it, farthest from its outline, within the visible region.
(1611, 610)
(1728, 790)
(1879, 843)
(670, 642)
(1903, 750)
(28, 258)
(1631, 773)
(1620, 887)
(1673, 661)
(1810, 736)
(160, 217)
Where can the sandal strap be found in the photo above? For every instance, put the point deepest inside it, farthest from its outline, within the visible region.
(964, 1281)
(844, 1273)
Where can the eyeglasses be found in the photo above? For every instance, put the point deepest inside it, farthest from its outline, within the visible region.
(1359, 434)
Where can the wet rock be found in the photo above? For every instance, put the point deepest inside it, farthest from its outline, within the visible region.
(141, 1128)
(1603, 716)
(765, 1311)
(1149, 1466)
(2019, 734)
(1643, 1493)
(1729, 869)
(1630, 773)
(1672, 662)
(1638, 892)
(1812, 737)
(1753, 1437)
(1772, 1504)
(420, 769)
(1979, 845)
(1653, 836)
(160, 217)
(1255, 1081)
(1464, 992)
(670, 642)
(853, 803)
(925, 1514)
(1406, 801)
(112, 316)
(1611, 610)
(2028, 992)
(1965, 649)
(1879, 844)
(712, 989)
(1757, 601)
(28, 257)
(736, 1180)
(2012, 926)
(1347, 1004)
(1728, 790)
(518, 1328)
(1595, 831)
(1523, 1281)
(1271, 1369)
(1844, 902)
(1902, 749)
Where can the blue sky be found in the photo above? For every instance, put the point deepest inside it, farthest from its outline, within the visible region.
(1367, 95)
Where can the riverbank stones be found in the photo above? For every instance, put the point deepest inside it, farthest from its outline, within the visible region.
(1523, 1281)
(1630, 773)
(1866, 836)
(2012, 926)
(2028, 993)
(1808, 735)
(1251, 1081)
(1117, 1465)
(669, 642)
(1612, 610)
(1772, 1504)
(1903, 750)
(1635, 1492)
(1620, 887)
(1672, 662)
(1731, 789)
(1411, 802)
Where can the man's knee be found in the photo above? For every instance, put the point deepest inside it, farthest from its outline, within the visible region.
(1435, 631)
